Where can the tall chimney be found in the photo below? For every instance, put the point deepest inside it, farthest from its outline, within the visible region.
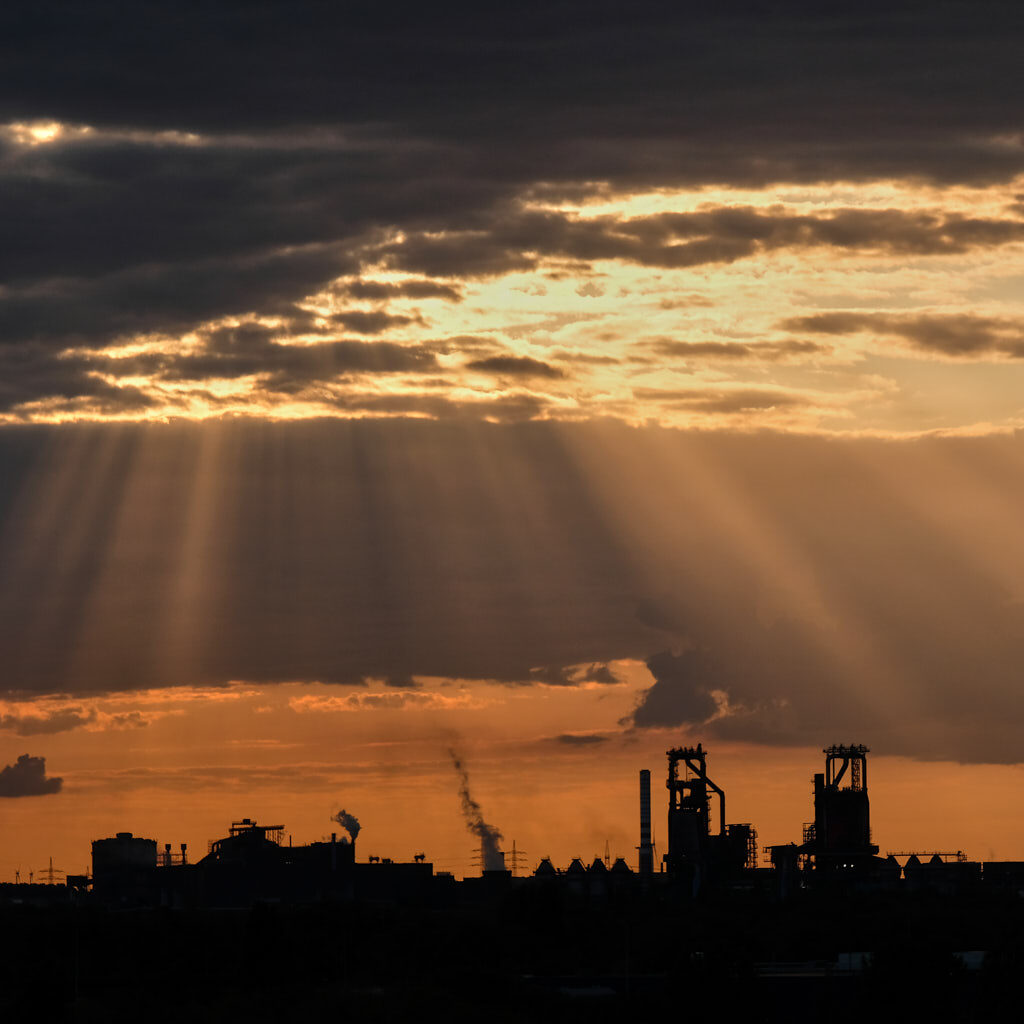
(646, 849)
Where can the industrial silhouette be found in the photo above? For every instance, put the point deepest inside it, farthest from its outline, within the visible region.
(273, 931)
(706, 854)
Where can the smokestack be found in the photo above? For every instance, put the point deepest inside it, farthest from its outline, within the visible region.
(491, 857)
(646, 849)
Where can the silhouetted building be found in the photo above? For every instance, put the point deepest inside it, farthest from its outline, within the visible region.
(948, 874)
(252, 865)
(696, 856)
(123, 870)
(842, 816)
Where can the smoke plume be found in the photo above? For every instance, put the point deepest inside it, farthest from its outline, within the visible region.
(490, 852)
(349, 822)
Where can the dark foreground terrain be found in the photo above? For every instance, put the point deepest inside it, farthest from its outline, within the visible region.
(534, 957)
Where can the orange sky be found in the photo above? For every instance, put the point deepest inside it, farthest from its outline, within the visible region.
(211, 758)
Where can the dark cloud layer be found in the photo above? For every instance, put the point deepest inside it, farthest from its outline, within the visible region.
(515, 366)
(570, 675)
(239, 158)
(311, 63)
(30, 724)
(954, 335)
(768, 351)
(27, 777)
(279, 366)
(678, 240)
(34, 373)
(796, 589)
(680, 694)
(381, 291)
(288, 365)
(381, 552)
(575, 739)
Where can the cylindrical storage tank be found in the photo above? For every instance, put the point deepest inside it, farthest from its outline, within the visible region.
(124, 870)
(123, 852)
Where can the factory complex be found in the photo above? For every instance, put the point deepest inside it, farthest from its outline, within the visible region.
(707, 855)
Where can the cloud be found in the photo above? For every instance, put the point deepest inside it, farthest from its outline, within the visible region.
(49, 715)
(580, 739)
(767, 351)
(27, 777)
(168, 298)
(573, 675)
(230, 353)
(62, 720)
(724, 400)
(804, 588)
(400, 700)
(151, 209)
(739, 70)
(956, 335)
(585, 358)
(133, 719)
(133, 210)
(599, 674)
(375, 322)
(510, 407)
(405, 682)
(680, 694)
(309, 587)
(516, 366)
(33, 373)
(519, 240)
(382, 291)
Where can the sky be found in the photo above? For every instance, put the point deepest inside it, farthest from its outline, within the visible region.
(555, 384)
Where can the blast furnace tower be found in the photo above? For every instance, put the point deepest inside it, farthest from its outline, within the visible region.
(697, 856)
(841, 835)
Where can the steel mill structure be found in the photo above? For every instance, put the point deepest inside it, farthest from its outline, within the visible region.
(706, 855)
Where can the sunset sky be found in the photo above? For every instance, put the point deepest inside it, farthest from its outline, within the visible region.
(556, 383)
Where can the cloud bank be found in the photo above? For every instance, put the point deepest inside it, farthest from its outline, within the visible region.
(778, 588)
(299, 226)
